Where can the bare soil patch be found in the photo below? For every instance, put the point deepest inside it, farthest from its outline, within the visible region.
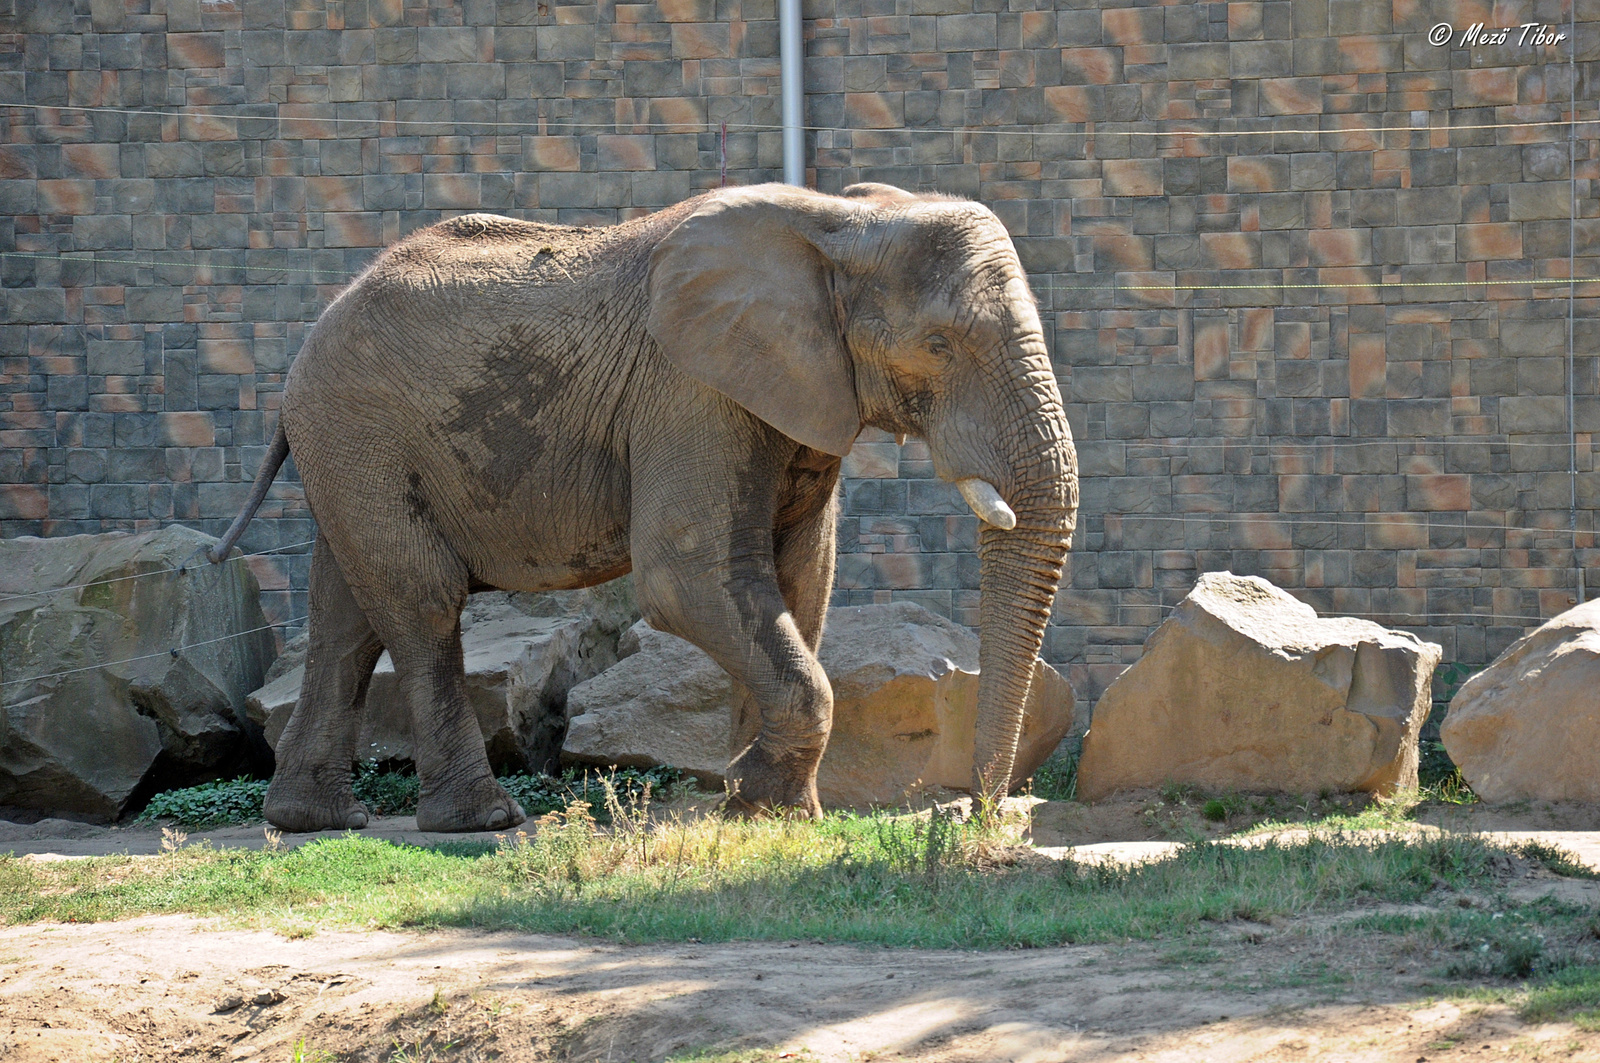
(174, 988)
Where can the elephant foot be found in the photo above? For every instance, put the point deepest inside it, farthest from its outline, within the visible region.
(759, 784)
(301, 809)
(477, 806)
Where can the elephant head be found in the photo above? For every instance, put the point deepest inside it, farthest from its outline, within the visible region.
(820, 314)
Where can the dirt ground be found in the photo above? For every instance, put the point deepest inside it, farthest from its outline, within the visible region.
(177, 988)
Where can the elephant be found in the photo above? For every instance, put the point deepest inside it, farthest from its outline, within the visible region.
(496, 403)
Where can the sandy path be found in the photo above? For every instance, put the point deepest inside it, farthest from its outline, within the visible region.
(150, 988)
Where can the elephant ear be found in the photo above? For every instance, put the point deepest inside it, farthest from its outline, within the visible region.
(741, 299)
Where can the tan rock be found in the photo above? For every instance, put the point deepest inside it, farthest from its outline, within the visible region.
(905, 686)
(1245, 688)
(1528, 726)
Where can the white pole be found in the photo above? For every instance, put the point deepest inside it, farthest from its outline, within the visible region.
(791, 53)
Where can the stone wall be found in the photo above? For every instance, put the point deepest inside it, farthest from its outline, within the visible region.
(1295, 341)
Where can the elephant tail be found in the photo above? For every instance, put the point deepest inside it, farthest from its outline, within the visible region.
(268, 472)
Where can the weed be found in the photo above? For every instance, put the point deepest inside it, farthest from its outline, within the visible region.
(1056, 779)
(212, 804)
(740, 1055)
(387, 792)
(1223, 807)
(302, 1053)
(1541, 939)
(1572, 992)
(1555, 859)
(1173, 793)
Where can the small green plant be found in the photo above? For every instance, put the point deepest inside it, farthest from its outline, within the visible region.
(387, 792)
(1057, 778)
(212, 804)
(1558, 860)
(302, 1053)
(740, 1055)
(1222, 807)
(1178, 794)
(1570, 993)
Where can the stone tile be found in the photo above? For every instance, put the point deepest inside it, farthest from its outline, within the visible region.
(1291, 96)
(190, 50)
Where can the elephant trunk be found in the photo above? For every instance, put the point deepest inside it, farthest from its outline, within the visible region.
(1020, 570)
(1019, 573)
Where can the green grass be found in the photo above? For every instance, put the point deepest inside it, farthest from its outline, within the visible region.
(1056, 779)
(907, 881)
(1571, 993)
(1539, 939)
(393, 793)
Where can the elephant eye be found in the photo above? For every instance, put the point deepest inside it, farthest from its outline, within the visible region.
(939, 346)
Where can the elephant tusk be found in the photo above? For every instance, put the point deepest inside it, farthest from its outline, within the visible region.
(900, 438)
(987, 503)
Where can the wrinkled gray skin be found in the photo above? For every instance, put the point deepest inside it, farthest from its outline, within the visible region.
(504, 404)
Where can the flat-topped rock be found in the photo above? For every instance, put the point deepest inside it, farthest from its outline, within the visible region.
(1244, 687)
(905, 687)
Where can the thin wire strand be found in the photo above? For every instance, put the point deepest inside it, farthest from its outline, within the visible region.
(341, 276)
(687, 127)
(1332, 444)
(1289, 520)
(147, 656)
(11, 595)
(60, 256)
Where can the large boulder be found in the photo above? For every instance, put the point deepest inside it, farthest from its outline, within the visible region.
(1528, 726)
(522, 652)
(905, 694)
(1245, 688)
(125, 660)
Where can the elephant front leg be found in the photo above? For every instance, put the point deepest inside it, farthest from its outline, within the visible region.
(788, 715)
(781, 727)
(803, 553)
(713, 580)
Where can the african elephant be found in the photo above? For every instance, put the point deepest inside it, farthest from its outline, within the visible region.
(503, 404)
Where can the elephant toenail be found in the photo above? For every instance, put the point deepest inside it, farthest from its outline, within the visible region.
(356, 821)
(497, 819)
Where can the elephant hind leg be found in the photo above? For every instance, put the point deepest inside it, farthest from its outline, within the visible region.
(311, 788)
(414, 590)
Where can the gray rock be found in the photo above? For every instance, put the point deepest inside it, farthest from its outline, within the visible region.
(1528, 726)
(1244, 687)
(80, 736)
(46, 829)
(523, 653)
(905, 687)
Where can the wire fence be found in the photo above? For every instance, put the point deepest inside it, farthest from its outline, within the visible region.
(540, 126)
(1341, 125)
(180, 569)
(174, 652)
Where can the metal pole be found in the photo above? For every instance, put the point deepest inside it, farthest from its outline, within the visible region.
(1572, 264)
(791, 53)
